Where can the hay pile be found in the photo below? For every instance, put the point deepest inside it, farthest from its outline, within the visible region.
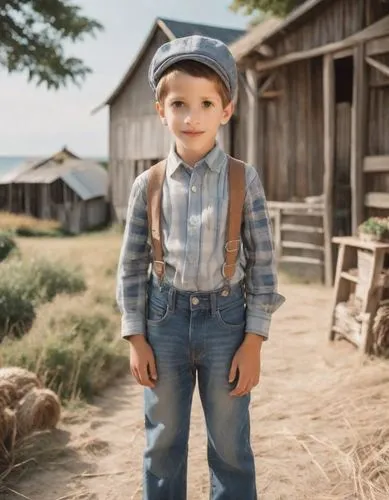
(25, 407)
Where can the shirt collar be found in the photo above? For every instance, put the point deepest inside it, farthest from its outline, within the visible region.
(214, 160)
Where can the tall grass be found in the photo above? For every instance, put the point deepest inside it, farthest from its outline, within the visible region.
(25, 225)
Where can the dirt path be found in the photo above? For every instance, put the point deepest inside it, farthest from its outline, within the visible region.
(295, 425)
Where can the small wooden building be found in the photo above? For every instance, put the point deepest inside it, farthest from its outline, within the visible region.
(136, 137)
(316, 117)
(63, 187)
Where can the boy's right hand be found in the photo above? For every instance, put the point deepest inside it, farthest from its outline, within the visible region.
(142, 361)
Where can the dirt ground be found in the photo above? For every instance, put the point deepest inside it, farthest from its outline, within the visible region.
(307, 423)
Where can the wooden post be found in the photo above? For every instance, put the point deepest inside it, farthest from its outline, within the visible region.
(252, 117)
(358, 137)
(27, 198)
(329, 157)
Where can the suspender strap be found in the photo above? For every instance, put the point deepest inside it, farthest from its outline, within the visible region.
(236, 196)
(154, 214)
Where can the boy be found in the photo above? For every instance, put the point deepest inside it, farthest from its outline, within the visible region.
(195, 315)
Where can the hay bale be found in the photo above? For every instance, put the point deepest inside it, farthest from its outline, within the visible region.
(381, 328)
(8, 394)
(40, 409)
(7, 424)
(22, 379)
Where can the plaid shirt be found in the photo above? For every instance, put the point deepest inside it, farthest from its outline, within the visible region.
(194, 205)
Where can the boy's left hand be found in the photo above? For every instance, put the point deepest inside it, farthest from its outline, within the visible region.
(247, 361)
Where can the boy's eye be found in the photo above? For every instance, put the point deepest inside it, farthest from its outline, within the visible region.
(177, 104)
(207, 104)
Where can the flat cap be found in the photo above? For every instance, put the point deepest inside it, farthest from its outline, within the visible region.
(209, 51)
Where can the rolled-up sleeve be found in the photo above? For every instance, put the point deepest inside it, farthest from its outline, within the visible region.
(134, 262)
(262, 296)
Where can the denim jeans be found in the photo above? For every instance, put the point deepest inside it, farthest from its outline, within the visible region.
(196, 334)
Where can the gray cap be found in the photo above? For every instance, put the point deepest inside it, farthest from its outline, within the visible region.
(208, 51)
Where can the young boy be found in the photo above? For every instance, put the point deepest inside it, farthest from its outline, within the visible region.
(193, 317)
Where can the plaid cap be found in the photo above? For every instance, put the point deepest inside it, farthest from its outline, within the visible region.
(209, 51)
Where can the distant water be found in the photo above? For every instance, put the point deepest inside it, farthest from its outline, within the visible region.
(7, 163)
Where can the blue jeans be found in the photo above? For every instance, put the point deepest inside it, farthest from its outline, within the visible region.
(196, 333)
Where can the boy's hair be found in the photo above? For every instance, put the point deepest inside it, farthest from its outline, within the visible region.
(196, 69)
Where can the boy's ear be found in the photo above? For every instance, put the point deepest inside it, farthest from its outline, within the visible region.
(160, 110)
(227, 113)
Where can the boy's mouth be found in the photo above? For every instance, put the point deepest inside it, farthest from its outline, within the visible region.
(192, 133)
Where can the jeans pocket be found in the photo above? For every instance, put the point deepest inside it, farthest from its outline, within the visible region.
(157, 309)
(232, 315)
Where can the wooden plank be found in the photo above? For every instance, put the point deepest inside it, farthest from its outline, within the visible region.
(301, 245)
(354, 241)
(301, 260)
(377, 200)
(383, 68)
(329, 159)
(252, 118)
(378, 29)
(349, 276)
(358, 137)
(294, 205)
(301, 228)
(378, 46)
(376, 164)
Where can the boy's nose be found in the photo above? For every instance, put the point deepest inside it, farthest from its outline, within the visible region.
(192, 119)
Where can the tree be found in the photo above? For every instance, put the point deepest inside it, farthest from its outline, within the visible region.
(275, 7)
(32, 38)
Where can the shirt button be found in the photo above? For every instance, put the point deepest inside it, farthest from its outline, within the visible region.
(195, 301)
(194, 189)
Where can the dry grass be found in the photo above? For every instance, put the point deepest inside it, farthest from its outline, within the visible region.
(25, 224)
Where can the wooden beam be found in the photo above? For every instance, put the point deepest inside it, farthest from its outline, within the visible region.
(377, 200)
(376, 164)
(383, 68)
(373, 32)
(358, 137)
(377, 46)
(252, 118)
(329, 158)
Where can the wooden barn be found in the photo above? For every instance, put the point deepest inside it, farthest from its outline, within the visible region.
(316, 117)
(136, 137)
(63, 187)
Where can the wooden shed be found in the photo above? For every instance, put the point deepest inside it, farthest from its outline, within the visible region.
(63, 187)
(316, 112)
(136, 137)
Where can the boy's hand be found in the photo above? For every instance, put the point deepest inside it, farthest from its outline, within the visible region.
(247, 361)
(142, 361)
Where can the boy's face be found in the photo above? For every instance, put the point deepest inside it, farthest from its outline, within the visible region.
(193, 111)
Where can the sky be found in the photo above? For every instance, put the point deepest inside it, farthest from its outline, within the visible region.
(38, 122)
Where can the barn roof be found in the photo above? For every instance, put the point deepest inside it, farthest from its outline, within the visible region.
(273, 27)
(86, 178)
(174, 29)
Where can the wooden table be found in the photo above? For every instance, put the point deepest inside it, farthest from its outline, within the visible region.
(346, 281)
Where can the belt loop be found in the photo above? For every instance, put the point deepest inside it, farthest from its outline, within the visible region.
(213, 303)
(172, 298)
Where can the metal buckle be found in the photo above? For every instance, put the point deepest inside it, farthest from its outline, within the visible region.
(236, 249)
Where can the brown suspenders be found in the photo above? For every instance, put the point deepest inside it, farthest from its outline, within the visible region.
(236, 196)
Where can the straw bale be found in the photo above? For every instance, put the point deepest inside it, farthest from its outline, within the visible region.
(40, 409)
(7, 423)
(23, 380)
(8, 394)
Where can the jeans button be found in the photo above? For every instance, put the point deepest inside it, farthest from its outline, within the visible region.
(195, 301)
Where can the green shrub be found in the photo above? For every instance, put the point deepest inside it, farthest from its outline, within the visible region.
(24, 285)
(16, 312)
(40, 281)
(7, 245)
(77, 355)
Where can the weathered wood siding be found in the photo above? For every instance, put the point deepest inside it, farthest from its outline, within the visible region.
(291, 133)
(137, 137)
(333, 22)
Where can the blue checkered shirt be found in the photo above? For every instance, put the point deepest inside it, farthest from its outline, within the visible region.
(194, 209)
